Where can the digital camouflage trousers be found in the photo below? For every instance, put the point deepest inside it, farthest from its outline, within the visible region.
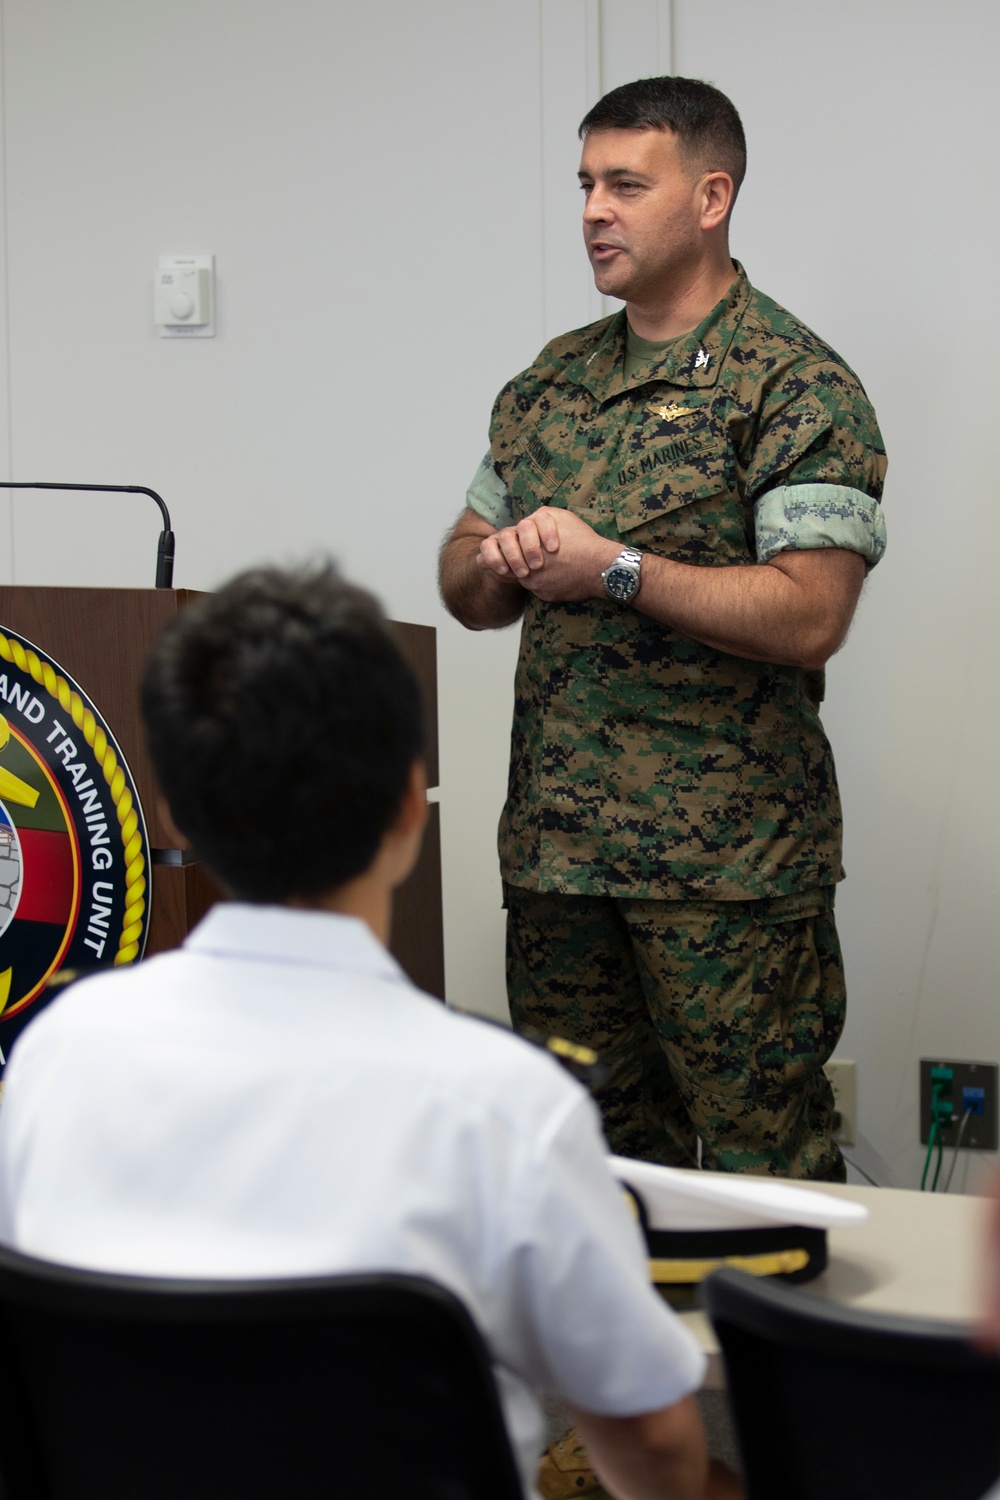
(713, 1019)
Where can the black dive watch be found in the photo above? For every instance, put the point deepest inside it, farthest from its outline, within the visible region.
(621, 581)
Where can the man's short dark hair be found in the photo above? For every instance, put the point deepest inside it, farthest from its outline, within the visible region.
(705, 121)
(283, 724)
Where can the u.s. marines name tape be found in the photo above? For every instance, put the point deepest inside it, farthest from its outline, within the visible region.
(74, 856)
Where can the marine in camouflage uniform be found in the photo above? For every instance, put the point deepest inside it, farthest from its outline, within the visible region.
(672, 832)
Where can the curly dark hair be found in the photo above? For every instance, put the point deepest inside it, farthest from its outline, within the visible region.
(283, 724)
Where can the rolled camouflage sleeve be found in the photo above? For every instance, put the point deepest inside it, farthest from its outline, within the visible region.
(488, 496)
(818, 465)
(817, 426)
(800, 517)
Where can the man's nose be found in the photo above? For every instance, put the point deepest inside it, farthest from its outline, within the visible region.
(597, 209)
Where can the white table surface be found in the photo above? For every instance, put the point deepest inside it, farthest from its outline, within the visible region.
(918, 1254)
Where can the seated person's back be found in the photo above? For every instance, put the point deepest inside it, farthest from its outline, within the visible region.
(276, 1098)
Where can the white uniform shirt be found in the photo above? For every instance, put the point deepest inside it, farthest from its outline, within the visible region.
(276, 1099)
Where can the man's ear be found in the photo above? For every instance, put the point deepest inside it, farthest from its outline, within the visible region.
(413, 807)
(716, 199)
(407, 830)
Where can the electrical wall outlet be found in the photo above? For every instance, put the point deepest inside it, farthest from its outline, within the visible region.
(962, 1088)
(843, 1076)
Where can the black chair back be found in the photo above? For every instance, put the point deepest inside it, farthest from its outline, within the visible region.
(831, 1403)
(369, 1387)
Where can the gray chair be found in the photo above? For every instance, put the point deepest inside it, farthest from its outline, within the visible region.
(136, 1388)
(831, 1403)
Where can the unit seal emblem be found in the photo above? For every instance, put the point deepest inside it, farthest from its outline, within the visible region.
(74, 855)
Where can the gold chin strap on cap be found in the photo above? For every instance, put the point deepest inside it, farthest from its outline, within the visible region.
(690, 1272)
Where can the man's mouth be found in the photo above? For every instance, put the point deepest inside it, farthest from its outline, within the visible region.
(604, 249)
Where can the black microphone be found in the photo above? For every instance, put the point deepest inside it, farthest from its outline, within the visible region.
(165, 546)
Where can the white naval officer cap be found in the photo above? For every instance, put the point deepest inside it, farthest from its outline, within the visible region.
(694, 1222)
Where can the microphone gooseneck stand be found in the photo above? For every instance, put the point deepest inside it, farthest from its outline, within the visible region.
(165, 546)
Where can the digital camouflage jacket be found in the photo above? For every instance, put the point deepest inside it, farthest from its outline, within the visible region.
(644, 763)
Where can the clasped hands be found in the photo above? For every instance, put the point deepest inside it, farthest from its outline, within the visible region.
(552, 553)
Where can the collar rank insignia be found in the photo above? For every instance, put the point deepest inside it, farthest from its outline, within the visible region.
(672, 412)
(701, 359)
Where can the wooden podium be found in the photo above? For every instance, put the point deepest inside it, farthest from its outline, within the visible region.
(101, 637)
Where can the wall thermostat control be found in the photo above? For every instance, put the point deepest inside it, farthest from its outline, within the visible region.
(184, 296)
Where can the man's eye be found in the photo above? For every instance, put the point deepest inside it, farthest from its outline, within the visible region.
(586, 187)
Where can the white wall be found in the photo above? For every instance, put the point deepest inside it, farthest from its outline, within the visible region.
(378, 276)
(870, 209)
(389, 189)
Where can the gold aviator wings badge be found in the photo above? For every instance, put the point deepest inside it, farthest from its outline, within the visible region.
(672, 412)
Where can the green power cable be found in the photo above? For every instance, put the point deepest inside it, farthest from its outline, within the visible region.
(940, 1158)
(941, 1114)
(930, 1152)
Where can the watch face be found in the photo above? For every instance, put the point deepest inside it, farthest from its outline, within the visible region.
(620, 582)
